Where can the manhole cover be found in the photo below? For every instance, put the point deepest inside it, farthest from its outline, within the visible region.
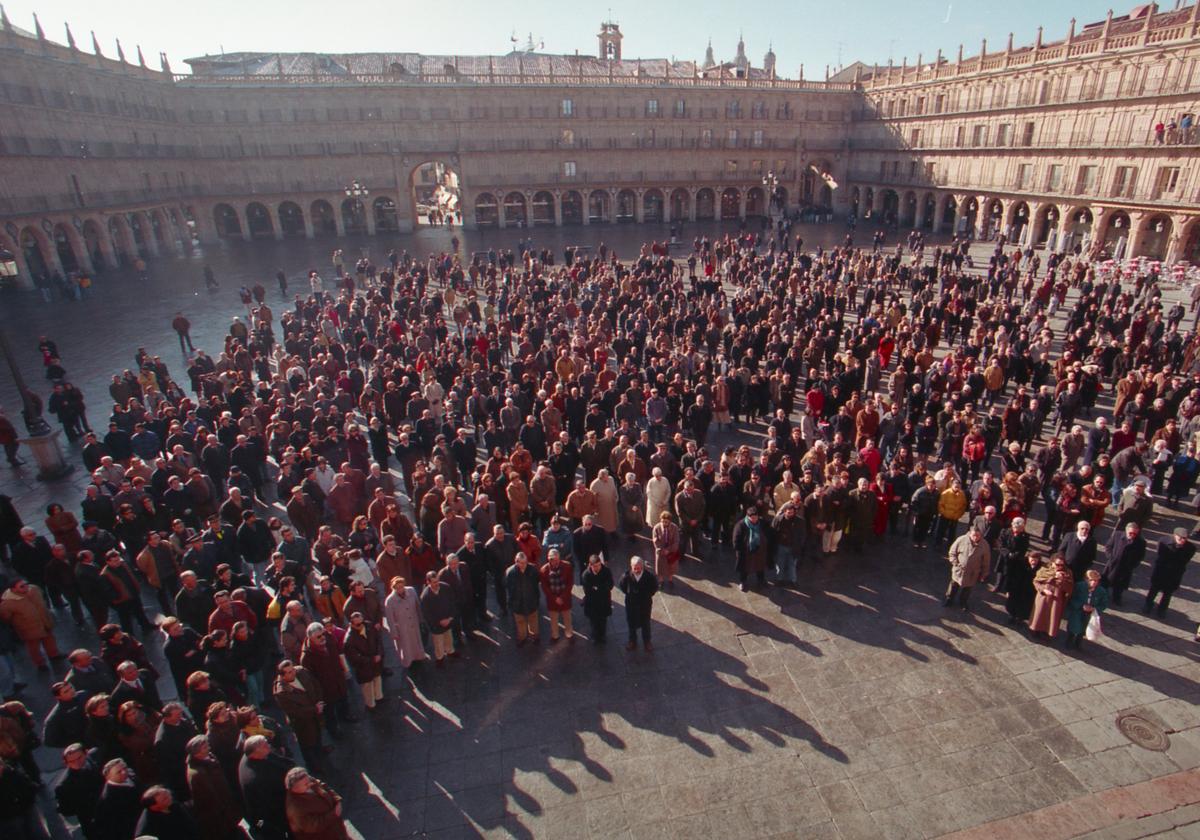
(1143, 733)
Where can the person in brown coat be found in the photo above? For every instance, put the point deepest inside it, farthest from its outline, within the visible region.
(23, 608)
(363, 647)
(322, 658)
(342, 502)
(314, 811)
(214, 805)
(298, 695)
(304, 514)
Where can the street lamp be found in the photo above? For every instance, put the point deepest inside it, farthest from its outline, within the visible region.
(357, 190)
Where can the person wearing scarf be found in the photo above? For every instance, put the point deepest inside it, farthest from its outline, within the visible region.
(750, 548)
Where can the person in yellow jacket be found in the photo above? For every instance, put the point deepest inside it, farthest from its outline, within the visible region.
(952, 504)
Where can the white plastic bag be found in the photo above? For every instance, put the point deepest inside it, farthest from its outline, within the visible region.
(1094, 631)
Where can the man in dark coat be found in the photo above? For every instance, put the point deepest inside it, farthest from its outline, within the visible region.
(78, 787)
(597, 582)
(639, 585)
(162, 816)
(260, 777)
(66, 723)
(93, 591)
(298, 695)
(254, 540)
(589, 539)
(472, 556)
(1169, 565)
(119, 804)
(1126, 549)
(1079, 549)
(170, 748)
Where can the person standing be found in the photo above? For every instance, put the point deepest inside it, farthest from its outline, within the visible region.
(298, 695)
(523, 583)
(1125, 550)
(402, 612)
(23, 608)
(639, 585)
(8, 439)
(183, 328)
(1088, 600)
(750, 548)
(970, 559)
(557, 579)
(363, 648)
(666, 537)
(597, 584)
(439, 608)
(1169, 565)
(314, 811)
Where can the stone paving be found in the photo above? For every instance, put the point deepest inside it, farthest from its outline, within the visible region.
(853, 707)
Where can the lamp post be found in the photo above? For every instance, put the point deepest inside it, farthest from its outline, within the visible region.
(356, 191)
(42, 440)
(771, 182)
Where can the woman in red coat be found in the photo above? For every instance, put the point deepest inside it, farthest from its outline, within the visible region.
(884, 496)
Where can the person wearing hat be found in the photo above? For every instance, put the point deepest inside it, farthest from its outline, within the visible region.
(750, 547)
(1174, 553)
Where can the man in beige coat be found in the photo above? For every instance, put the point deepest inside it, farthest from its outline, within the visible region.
(23, 608)
(970, 559)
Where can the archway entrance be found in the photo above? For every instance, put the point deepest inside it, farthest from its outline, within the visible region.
(1079, 230)
(63, 245)
(32, 249)
(258, 219)
(224, 217)
(291, 219)
(1156, 234)
(1018, 218)
(949, 214)
(756, 203)
(436, 193)
(487, 211)
(652, 206)
(626, 202)
(93, 237)
(731, 203)
(1116, 235)
(705, 204)
(572, 208)
(543, 208)
(323, 220)
(599, 208)
(385, 214)
(354, 216)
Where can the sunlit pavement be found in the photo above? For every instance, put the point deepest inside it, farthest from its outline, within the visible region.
(853, 706)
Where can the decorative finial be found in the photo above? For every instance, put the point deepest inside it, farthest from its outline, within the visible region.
(166, 65)
(37, 27)
(120, 51)
(141, 58)
(96, 44)
(4, 19)
(70, 37)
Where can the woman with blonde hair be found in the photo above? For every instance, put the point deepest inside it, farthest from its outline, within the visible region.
(1054, 585)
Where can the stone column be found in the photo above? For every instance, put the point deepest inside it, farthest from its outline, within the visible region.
(273, 215)
(612, 205)
(667, 205)
(639, 210)
(692, 205)
(338, 221)
(1137, 222)
(557, 207)
(369, 218)
(528, 209)
(309, 231)
(742, 203)
(586, 197)
(982, 217)
(152, 241)
(107, 252)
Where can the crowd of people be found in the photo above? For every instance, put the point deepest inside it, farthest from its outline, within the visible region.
(404, 454)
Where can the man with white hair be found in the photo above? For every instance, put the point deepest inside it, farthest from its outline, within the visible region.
(639, 585)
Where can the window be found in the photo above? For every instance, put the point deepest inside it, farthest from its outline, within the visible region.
(1024, 175)
(912, 170)
(920, 109)
(895, 169)
(1086, 182)
(731, 167)
(758, 111)
(756, 166)
(706, 138)
(733, 109)
(1054, 178)
(680, 108)
(1002, 134)
(939, 104)
(1168, 181)
(1124, 181)
(914, 138)
(756, 138)
(960, 136)
(883, 169)
(651, 107)
(567, 109)
(1027, 134)
(568, 169)
(731, 138)
(979, 135)
(566, 138)
(783, 111)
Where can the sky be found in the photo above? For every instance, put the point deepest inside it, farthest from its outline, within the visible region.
(804, 32)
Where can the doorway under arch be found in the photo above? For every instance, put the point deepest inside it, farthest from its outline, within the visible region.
(515, 211)
(756, 204)
(1116, 234)
(626, 206)
(93, 240)
(258, 220)
(224, 217)
(354, 216)
(65, 246)
(384, 209)
(1156, 236)
(323, 220)
(706, 205)
(436, 192)
(599, 206)
(731, 203)
(652, 206)
(572, 208)
(487, 211)
(291, 219)
(31, 247)
(543, 208)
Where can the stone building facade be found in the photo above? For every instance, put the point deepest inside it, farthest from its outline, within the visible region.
(104, 159)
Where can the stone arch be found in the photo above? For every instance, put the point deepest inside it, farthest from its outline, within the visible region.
(890, 207)
(226, 220)
(731, 203)
(1077, 229)
(653, 205)
(291, 219)
(37, 250)
(140, 229)
(908, 210)
(572, 208)
(487, 210)
(324, 221)
(1046, 221)
(626, 210)
(354, 215)
(97, 243)
(970, 216)
(160, 224)
(599, 206)
(948, 214)
(384, 209)
(72, 255)
(756, 202)
(258, 221)
(1018, 218)
(867, 207)
(436, 189)
(122, 238)
(781, 196)
(927, 218)
(1154, 237)
(681, 204)
(1117, 226)
(542, 207)
(1191, 246)
(706, 204)
(515, 209)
